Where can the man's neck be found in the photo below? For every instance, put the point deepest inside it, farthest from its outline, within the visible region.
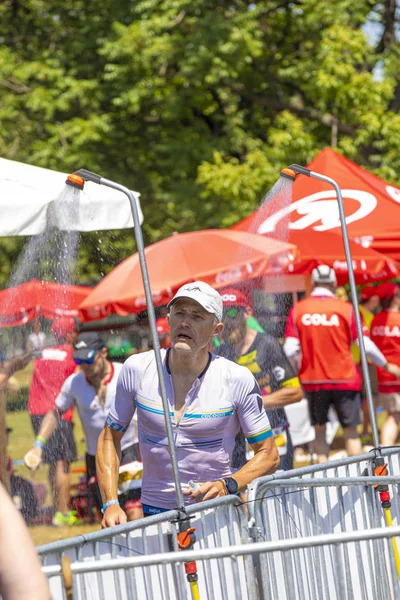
(245, 342)
(189, 364)
(102, 377)
(320, 290)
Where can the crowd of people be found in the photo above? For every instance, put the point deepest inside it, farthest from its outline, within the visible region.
(227, 382)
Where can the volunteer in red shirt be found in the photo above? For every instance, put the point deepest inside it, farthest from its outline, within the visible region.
(163, 332)
(49, 373)
(385, 332)
(323, 328)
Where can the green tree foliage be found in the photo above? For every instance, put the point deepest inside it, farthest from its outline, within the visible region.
(197, 105)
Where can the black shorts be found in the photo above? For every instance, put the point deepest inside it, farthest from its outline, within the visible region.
(130, 454)
(347, 404)
(61, 444)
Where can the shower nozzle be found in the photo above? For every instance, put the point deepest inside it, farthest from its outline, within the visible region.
(299, 170)
(75, 181)
(88, 175)
(292, 171)
(288, 174)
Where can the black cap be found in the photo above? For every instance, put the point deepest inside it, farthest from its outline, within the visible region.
(86, 344)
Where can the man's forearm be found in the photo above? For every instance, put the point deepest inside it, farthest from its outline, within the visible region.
(49, 424)
(264, 462)
(282, 397)
(108, 457)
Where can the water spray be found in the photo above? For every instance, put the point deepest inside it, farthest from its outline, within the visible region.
(292, 172)
(77, 180)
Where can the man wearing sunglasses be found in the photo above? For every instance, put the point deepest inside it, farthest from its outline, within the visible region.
(92, 391)
(210, 399)
(263, 355)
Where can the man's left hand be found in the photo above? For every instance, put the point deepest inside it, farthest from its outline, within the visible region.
(207, 491)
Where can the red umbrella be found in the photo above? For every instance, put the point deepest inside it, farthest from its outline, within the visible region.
(27, 301)
(217, 256)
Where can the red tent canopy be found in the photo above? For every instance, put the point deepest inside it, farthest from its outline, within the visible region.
(216, 256)
(25, 302)
(371, 206)
(318, 248)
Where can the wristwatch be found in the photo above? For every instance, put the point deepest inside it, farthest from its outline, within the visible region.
(231, 485)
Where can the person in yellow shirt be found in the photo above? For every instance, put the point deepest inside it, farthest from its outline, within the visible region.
(341, 294)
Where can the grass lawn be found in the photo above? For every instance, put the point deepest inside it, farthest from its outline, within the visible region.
(20, 440)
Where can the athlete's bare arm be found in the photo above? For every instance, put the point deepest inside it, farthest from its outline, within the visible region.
(283, 397)
(21, 577)
(33, 457)
(264, 462)
(108, 458)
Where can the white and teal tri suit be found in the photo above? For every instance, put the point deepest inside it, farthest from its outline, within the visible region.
(224, 399)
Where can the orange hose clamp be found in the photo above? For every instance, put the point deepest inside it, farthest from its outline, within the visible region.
(186, 538)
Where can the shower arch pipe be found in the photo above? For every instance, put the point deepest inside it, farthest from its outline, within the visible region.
(292, 172)
(75, 179)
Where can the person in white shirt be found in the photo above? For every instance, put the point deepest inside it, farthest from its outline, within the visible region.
(92, 391)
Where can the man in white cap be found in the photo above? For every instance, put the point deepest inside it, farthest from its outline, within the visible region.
(211, 398)
(323, 328)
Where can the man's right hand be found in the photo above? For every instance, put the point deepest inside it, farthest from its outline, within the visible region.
(113, 515)
(33, 458)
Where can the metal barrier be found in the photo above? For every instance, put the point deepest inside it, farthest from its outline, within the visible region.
(290, 509)
(288, 549)
(335, 497)
(219, 523)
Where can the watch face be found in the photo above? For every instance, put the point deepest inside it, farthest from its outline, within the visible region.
(231, 485)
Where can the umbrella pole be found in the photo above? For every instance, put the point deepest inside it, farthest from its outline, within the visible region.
(89, 176)
(299, 170)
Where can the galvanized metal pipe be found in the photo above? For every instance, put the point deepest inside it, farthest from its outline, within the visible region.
(232, 551)
(332, 482)
(353, 289)
(153, 328)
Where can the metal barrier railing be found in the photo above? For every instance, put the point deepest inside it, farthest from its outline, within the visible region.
(353, 466)
(219, 523)
(288, 507)
(335, 543)
(323, 499)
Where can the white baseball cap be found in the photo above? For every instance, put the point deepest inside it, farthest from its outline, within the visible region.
(202, 293)
(323, 274)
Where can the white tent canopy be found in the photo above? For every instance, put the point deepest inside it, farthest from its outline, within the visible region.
(27, 192)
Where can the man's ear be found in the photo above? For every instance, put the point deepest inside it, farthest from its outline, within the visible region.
(218, 329)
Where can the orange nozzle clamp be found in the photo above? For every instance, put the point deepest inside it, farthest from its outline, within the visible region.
(185, 538)
(380, 471)
(75, 181)
(289, 174)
